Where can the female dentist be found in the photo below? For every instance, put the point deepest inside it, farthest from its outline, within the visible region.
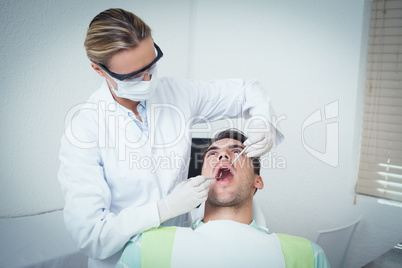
(124, 157)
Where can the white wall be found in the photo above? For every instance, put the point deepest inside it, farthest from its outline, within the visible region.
(308, 54)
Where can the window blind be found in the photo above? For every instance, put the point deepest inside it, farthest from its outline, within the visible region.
(380, 169)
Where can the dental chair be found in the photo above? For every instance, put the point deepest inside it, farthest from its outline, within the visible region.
(335, 242)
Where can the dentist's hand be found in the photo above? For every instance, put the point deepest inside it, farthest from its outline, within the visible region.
(185, 196)
(261, 138)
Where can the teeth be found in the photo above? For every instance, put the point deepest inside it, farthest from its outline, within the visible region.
(225, 172)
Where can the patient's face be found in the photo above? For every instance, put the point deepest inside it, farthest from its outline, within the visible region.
(237, 184)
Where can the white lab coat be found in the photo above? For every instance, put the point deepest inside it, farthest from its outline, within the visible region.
(112, 175)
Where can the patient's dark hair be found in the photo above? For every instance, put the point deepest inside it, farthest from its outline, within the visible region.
(235, 135)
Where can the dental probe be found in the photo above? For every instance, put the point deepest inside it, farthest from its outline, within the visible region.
(237, 157)
(211, 178)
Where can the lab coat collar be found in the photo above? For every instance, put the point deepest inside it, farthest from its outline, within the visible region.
(107, 96)
(152, 112)
(111, 108)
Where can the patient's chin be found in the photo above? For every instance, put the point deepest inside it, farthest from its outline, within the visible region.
(222, 199)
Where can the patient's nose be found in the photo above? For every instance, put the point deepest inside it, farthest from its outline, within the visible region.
(223, 156)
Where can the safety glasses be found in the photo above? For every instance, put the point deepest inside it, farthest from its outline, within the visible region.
(137, 75)
(136, 78)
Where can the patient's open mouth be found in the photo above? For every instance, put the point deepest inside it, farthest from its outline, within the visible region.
(224, 173)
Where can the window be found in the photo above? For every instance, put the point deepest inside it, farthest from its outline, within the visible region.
(380, 170)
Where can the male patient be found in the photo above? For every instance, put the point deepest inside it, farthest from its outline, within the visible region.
(227, 236)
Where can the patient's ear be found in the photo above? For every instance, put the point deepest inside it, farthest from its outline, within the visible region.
(258, 182)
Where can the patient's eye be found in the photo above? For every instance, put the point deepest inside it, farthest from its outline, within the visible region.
(237, 151)
(211, 153)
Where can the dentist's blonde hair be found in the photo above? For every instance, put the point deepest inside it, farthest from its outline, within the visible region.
(112, 31)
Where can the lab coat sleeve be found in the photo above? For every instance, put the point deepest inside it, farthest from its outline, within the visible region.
(95, 230)
(217, 99)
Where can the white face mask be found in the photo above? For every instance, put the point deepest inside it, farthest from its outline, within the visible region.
(136, 91)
